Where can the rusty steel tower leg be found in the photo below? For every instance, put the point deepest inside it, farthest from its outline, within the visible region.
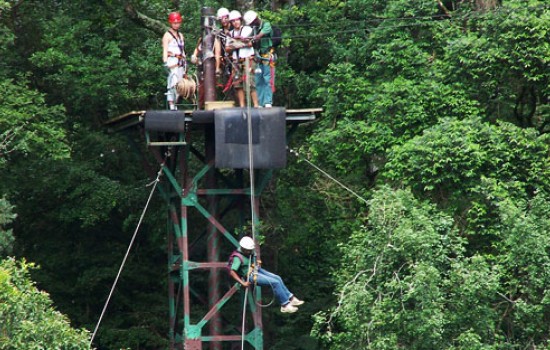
(208, 55)
(213, 238)
(213, 242)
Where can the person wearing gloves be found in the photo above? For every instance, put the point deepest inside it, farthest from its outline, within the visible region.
(265, 75)
(241, 270)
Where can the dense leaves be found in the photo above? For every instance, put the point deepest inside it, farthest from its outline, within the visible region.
(405, 281)
(436, 114)
(28, 318)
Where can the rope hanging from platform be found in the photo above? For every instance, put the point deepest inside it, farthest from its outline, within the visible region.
(154, 184)
(248, 115)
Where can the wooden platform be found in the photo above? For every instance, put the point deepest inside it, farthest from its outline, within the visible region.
(136, 118)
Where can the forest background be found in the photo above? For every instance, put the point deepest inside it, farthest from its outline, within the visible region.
(436, 112)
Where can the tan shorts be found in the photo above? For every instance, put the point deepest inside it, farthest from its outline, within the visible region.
(240, 74)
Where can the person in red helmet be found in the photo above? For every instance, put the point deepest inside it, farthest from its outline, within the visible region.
(173, 56)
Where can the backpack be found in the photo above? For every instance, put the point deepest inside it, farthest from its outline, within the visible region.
(276, 36)
(237, 254)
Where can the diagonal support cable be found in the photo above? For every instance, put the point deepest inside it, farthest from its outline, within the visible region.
(154, 183)
(329, 176)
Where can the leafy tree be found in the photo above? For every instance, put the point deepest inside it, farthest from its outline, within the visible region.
(402, 84)
(405, 281)
(469, 167)
(29, 320)
(6, 234)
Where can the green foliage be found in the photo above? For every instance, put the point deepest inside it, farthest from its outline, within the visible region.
(525, 261)
(28, 125)
(404, 281)
(29, 320)
(501, 59)
(469, 167)
(450, 103)
(6, 234)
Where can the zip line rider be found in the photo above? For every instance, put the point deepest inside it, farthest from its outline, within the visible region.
(265, 76)
(239, 262)
(173, 56)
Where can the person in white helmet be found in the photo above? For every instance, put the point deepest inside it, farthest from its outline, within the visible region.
(223, 16)
(242, 56)
(265, 77)
(173, 56)
(223, 63)
(239, 262)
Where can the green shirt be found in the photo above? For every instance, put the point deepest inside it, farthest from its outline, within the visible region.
(241, 268)
(265, 41)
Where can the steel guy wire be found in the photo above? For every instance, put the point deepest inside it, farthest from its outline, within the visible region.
(329, 176)
(154, 183)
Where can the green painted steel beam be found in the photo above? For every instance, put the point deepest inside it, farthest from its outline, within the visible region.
(255, 338)
(172, 180)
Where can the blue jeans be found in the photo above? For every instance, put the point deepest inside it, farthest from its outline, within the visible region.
(263, 84)
(281, 292)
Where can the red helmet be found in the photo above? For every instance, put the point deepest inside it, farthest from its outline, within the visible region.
(174, 17)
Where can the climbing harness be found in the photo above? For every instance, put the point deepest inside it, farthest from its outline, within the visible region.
(181, 45)
(154, 184)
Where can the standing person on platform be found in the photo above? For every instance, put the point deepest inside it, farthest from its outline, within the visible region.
(265, 76)
(240, 269)
(173, 56)
(223, 16)
(243, 56)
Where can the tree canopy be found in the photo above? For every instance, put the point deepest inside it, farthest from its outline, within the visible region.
(435, 113)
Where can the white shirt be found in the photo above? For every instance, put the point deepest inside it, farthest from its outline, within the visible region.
(243, 32)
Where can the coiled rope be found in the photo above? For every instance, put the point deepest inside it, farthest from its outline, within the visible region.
(186, 88)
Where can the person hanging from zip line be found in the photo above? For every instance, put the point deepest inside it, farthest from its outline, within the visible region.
(265, 76)
(243, 57)
(248, 272)
(173, 57)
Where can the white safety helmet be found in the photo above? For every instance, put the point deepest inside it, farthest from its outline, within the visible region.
(247, 243)
(222, 12)
(249, 17)
(234, 15)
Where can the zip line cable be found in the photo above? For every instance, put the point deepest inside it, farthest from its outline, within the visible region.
(501, 9)
(329, 176)
(154, 183)
(424, 20)
(250, 150)
(252, 185)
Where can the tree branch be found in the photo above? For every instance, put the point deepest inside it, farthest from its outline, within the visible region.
(145, 21)
(442, 6)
